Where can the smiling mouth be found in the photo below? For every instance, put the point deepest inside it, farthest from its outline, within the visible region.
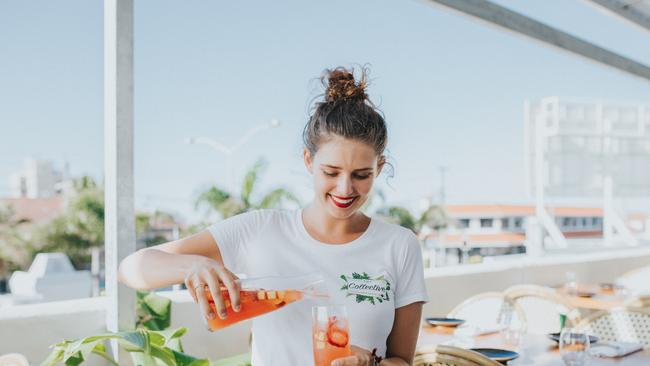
(342, 202)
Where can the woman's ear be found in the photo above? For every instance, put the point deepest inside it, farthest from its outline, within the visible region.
(381, 161)
(307, 158)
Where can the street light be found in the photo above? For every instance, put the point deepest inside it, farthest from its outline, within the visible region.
(229, 151)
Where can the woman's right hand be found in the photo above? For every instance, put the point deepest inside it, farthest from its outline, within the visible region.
(206, 271)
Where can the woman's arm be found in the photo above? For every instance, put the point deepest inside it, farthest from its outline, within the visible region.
(167, 264)
(404, 335)
(195, 261)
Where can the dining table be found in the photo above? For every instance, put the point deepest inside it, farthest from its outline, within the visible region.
(593, 297)
(533, 349)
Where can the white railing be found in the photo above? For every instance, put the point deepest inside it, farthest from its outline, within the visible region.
(30, 329)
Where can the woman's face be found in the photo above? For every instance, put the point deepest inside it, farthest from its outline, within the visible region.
(344, 171)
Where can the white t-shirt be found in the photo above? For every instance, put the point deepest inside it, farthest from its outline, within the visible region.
(372, 276)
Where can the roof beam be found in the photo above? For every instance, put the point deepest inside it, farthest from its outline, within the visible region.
(627, 11)
(507, 19)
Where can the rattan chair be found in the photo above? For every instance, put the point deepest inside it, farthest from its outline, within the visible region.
(13, 359)
(542, 307)
(639, 303)
(636, 279)
(442, 355)
(487, 310)
(621, 325)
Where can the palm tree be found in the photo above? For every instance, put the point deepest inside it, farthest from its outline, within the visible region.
(434, 217)
(227, 204)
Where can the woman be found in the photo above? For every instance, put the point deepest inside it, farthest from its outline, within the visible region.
(344, 142)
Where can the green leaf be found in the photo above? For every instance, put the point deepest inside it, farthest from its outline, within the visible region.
(100, 350)
(173, 333)
(143, 359)
(135, 338)
(54, 357)
(159, 304)
(74, 360)
(187, 360)
(343, 278)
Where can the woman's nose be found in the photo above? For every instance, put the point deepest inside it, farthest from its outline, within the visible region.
(344, 185)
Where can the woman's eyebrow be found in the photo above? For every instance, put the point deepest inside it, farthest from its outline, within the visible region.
(336, 167)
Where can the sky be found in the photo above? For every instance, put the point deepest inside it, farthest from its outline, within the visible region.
(451, 88)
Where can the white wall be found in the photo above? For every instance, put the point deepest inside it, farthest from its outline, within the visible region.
(30, 329)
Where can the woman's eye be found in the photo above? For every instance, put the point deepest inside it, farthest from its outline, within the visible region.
(329, 174)
(362, 176)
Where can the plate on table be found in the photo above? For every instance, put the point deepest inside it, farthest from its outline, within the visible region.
(585, 294)
(500, 355)
(556, 337)
(445, 322)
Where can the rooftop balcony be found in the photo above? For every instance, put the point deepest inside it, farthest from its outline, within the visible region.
(30, 329)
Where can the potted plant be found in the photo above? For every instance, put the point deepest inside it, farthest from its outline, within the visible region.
(146, 347)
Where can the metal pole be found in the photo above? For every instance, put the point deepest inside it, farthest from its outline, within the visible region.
(118, 163)
(443, 170)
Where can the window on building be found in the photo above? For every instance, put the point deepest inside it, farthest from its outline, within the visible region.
(463, 223)
(596, 222)
(519, 222)
(486, 222)
(505, 223)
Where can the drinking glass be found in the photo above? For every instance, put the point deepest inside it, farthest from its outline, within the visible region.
(574, 344)
(571, 284)
(330, 334)
(512, 328)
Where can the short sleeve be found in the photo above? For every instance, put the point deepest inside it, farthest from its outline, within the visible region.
(234, 234)
(410, 281)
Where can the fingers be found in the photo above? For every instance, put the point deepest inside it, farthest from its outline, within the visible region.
(360, 357)
(363, 356)
(229, 280)
(347, 361)
(215, 290)
(206, 310)
(189, 284)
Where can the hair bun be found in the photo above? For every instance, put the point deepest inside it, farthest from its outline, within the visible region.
(342, 86)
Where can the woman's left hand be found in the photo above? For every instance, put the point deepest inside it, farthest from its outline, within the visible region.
(360, 357)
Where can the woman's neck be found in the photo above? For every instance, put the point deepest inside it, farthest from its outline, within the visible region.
(327, 229)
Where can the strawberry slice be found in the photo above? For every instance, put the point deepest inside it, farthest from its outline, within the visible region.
(336, 336)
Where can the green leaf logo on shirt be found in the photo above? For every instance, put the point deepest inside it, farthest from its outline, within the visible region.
(366, 288)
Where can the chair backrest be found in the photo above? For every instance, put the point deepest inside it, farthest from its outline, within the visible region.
(488, 309)
(442, 355)
(636, 279)
(13, 359)
(640, 303)
(621, 324)
(542, 307)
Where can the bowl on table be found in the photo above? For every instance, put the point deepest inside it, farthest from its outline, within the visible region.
(556, 337)
(496, 354)
(444, 322)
